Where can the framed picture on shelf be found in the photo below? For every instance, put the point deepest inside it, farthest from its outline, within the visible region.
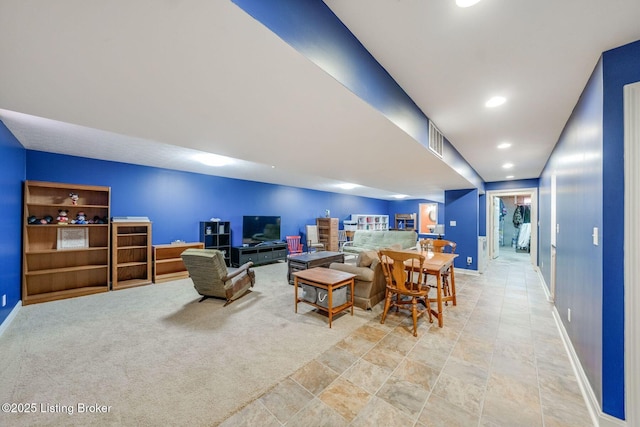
(72, 237)
(427, 218)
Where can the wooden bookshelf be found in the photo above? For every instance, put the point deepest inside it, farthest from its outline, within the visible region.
(167, 264)
(131, 254)
(64, 260)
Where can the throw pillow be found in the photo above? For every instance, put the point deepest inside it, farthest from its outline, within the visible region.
(366, 258)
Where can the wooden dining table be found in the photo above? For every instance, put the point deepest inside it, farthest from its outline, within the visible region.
(436, 263)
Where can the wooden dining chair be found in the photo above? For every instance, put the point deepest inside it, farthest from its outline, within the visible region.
(403, 274)
(294, 245)
(442, 246)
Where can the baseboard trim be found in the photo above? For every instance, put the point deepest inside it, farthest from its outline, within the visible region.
(10, 317)
(599, 418)
(467, 272)
(545, 288)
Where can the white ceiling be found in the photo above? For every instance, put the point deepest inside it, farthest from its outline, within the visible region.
(151, 83)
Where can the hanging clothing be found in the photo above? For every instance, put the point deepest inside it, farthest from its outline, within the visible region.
(517, 217)
(522, 215)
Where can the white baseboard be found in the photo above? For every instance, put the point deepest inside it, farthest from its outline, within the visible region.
(599, 418)
(10, 317)
(466, 271)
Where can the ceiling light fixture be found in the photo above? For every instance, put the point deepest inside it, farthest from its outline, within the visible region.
(507, 165)
(211, 159)
(466, 3)
(347, 186)
(495, 101)
(509, 177)
(399, 196)
(504, 145)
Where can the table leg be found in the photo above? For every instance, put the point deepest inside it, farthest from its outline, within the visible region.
(352, 286)
(439, 299)
(330, 302)
(452, 284)
(295, 293)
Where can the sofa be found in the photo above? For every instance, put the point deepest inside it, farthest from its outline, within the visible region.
(369, 287)
(374, 240)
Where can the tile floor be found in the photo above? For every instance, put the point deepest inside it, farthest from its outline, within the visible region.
(498, 361)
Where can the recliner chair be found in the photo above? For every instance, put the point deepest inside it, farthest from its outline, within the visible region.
(211, 277)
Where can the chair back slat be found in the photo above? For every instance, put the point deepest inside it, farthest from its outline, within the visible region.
(294, 245)
(438, 245)
(402, 269)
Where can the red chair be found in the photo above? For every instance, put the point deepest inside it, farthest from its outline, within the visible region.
(294, 245)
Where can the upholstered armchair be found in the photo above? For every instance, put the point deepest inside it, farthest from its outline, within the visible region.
(212, 278)
(369, 288)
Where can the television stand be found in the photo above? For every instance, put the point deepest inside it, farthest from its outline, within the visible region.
(259, 254)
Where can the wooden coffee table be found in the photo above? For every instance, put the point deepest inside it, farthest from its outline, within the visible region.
(329, 280)
(314, 259)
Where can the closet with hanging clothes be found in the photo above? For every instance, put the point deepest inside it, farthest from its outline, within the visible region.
(522, 222)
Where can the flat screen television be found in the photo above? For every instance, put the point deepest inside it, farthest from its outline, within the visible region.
(260, 229)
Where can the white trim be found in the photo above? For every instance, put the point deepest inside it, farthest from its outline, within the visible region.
(467, 271)
(632, 251)
(14, 312)
(598, 417)
(533, 192)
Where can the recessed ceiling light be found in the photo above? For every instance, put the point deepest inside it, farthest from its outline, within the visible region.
(495, 101)
(347, 186)
(400, 196)
(507, 165)
(211, 159)
(504, 145)
(466, 3)
(509, 177)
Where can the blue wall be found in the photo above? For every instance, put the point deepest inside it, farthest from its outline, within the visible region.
(463, 208)
(177, 201)
(589, 165)
(576, 162)
(12, 173)
(621, 66)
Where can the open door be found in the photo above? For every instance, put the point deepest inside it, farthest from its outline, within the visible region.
(495, 228)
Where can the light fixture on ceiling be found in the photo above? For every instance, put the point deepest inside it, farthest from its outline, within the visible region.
(211, 159)
(399, 196)
(509, 176)
(466, 3)
(495, 101)
(507, 165)
(504, 145)
(347, 186)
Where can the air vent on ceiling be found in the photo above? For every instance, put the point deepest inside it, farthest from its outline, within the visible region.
(435, 139)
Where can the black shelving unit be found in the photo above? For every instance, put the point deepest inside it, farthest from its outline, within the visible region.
(217, 235)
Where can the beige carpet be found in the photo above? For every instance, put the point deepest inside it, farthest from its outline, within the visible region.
(155, 356)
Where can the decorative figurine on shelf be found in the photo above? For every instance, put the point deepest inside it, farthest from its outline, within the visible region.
(74, 198)
(81, 218)
(46, 220)
(63, 218)
(97, 220)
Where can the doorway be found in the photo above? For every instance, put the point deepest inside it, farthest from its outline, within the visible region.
(503, 243)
